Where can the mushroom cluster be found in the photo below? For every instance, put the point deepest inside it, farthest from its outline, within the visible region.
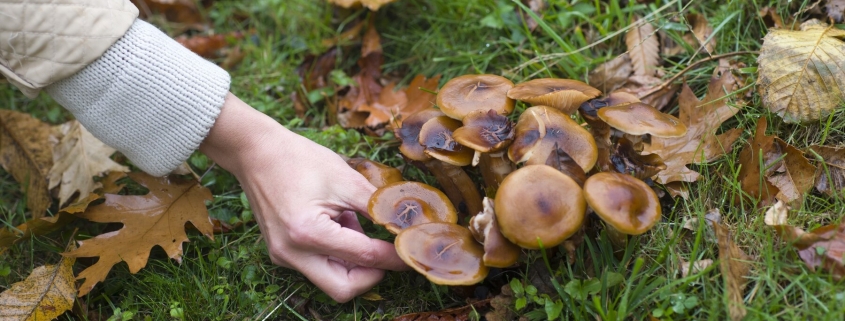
(565, 169)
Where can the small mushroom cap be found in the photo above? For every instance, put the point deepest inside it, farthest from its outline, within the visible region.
(591, 107)
(377, 173)
(485, 131)
(540, 128)
(565, 95)
(538, 202)
(622, 201)
(445, 253)
(409, 134)
(465, 94)
(498, 251)
(400, 205)
(436, 137)
(641, 119)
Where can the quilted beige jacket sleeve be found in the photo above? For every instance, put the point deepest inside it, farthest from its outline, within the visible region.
(43, 41)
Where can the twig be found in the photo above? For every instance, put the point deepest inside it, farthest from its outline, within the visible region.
(693, 65)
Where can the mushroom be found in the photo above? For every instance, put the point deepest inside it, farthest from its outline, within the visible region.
(562, 94)
(626, 204)
(409, 134)
(537, 205)
(498, 251)
(560, 160)
(626, 160)
(640, 119)
(601, 131)
(488, 133)
(403, 204)
(540, 128)
(436, 137)
(377, 173)
(444, 253)
(465, 94)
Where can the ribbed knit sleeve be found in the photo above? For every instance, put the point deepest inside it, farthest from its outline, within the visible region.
(148, 97)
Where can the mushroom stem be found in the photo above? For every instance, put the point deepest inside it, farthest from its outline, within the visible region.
(494, 168)
(458, 186)
(617, 238)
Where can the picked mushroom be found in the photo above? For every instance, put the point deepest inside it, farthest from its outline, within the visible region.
(444, 253)
(625, 203)
(498, 251)
(377, 173)
(640, 119)
(565, 95)
(538, 203)
(400, 205)
(465, 94)
(540, 128)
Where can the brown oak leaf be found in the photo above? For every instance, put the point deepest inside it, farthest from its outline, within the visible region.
(77, 158)
(821, 248)
(830, 177)
(26, 154)
(157, 218)
(701, 35)
(702, 118)
(612, 74)
(643, 47)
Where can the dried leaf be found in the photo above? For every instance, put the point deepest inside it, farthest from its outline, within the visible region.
(688, 268)
(351, 34)
(643, 47)
(26, 154)
(157, 218)
(626, 160)
(373, 5)
(612, 74)
(734, 271)
(313, 73)
(830, 177)
(209, 46)
(418, 99)
(77, 158)
(389, 104)
(537, 6)
(701, 32)
(181, 11)
(455, 314)
(822, 248)
(772, 19)
(787, 175)
(799, 71)
(46, 293)
(702, 118)
(640, 85)
(835, 9)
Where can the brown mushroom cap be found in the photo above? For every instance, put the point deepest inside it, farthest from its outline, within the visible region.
(498, 251)
(485, 131)
(538, 130)
(622, 201)
(538, 202)
(445, 253)
(400, 205)
(409, 134)
(565, 95)
(641, 119)
(436, 137)
(377, 173)
(468, 93)
(589, 108)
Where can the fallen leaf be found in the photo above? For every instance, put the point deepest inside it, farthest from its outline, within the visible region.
(46, 293)
(455, 314)
(799, 71)
(821, 248)
(612, 74)
(501, 306)
(536, 6)
(643, 47)
(313, 73)
(419, 97)
(373, 5)
(734, 271)
(701, 31)
(26, 154)
(772, 19)
(702, 118)
(640, 85)
(626, 160)
(77, 158)
(389, 104)
(835, 9)
(688, 268)
(157, 218)
(181, 11)
(786, 174)
(209, 46)
(350, 35)
(830, 175)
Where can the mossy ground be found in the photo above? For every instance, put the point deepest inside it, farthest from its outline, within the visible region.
(231, 277)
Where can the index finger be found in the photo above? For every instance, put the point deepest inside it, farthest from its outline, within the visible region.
(347, 244)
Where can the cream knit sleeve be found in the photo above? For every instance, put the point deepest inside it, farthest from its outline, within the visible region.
(148, 97)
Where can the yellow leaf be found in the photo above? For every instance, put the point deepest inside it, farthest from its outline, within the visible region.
(157, 218)
(372, 296)
(643, 47)
(46, 293)
(25, 153)
(76, 159)
(801, 71)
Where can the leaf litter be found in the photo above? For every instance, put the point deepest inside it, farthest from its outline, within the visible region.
(45, 294)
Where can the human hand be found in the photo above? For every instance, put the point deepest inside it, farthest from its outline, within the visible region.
(304, 196)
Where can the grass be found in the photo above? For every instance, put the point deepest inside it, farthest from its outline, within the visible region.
(232, 278)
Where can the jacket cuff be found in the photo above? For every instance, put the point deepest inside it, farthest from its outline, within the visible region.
(148, 97)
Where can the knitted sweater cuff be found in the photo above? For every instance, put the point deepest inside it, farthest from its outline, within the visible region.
(148, 97)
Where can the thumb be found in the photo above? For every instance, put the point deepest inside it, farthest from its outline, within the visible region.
(357, 197)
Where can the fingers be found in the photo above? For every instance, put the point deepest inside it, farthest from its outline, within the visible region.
(343, 241)
(358, 196)
(338, 280)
